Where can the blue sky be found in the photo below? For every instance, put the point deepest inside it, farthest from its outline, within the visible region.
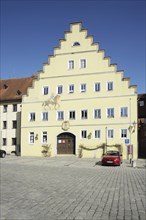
(30, 29)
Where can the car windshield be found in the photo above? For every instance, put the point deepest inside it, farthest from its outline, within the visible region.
(112, 153)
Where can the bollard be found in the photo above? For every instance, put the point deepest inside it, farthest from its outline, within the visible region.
(133, 163)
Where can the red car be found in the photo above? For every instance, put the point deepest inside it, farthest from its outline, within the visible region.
(112, 158)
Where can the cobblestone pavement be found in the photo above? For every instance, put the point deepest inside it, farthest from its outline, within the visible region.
(71, 188)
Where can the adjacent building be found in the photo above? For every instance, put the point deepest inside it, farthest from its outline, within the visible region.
(11, 91)
(142, 125)
(80, 104)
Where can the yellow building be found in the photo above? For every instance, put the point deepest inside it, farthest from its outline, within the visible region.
(80, 104)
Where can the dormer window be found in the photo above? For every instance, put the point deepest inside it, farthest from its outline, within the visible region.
(18, 92)
(5, 86)
(76, 44)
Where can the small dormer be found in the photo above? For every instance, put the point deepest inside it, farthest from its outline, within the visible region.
(5, 86)
(18, 92)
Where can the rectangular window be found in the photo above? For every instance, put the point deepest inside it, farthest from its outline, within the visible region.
(71, 88)
(4, 142)
(5, 108)
(31, 137)
(44, 116)
(14, 107)
(124, 111)
(83, 87)
(97, 113)
(32, 116)
(4, 124)
(97, 133)
(97, 87)
(60, 115)
(110, 112)
(45, 90)
(141, 103)
(44, 137)
(83, 134)
(83, 63)
(13, 141)
(109, 86)
(72, 115)
(110, 133)
(71, 64)
(123, 133)
(59, 89)
(84, 114)
(14, 124)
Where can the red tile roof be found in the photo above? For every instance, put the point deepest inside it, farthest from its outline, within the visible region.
(14, 89)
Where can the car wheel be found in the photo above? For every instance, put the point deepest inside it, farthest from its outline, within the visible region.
(3, 155)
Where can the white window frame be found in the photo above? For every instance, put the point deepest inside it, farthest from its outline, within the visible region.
(72, 113)
(123, 133)
(32, 116)
(83, 87)
(44, 116)
(97, 134)
(110, 113)
(71, 88)
(110, 86)
(44, 137)
(45, 90)
(83, 134)
(110, 133)
(71, 64)
(84, 114)
(123, 112)
(97, 87)
(31, 137)
(59, 89)
(60, 115)
(83, 63)
(97, 113)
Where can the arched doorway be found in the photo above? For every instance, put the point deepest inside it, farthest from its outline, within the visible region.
(66, 143)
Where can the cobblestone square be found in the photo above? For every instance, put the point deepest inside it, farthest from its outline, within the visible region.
(69, 188)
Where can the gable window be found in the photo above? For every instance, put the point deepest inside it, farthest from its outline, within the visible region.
(110, 112)
(83, 134)
(59, 89)
(84, 114)
(124, 111)
(14, 107)
(97, 133)
(5, 108)
(97, 113)
(76, 44)
(44, 137)
(71, 64)
(123, 133)
(109, 86)
(44, 116)
(71, 88)
(31, 137)
(83, 63)
(83, 87)
(97, 87)
(72, 115)
(32, 116)
(110, 133)
(60, 115)
(45, 90)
